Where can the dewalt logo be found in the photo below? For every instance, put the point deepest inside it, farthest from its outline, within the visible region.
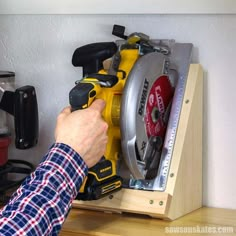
(105, 169)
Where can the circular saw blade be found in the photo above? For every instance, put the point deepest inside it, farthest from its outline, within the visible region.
(146, 97)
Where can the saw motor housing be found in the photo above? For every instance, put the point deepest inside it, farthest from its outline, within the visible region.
(102, 178)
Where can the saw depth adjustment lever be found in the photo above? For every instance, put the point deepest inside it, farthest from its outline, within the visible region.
(102, 179)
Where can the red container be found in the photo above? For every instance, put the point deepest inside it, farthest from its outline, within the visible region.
(4, 143)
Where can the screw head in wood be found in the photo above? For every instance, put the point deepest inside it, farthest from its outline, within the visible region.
(161, 203)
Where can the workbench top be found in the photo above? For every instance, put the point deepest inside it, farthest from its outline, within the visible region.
(207, 220)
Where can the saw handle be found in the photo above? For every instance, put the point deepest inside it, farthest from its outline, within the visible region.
(91, 56)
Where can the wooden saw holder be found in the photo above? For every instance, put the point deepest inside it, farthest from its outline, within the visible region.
(183, 192)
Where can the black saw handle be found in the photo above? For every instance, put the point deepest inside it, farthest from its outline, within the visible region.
(91, 56)
(22, 104)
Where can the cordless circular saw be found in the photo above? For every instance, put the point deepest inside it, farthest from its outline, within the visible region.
(138, 87)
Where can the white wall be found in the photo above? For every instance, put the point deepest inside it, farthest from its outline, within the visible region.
(39, 49)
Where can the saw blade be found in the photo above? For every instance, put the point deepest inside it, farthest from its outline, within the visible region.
(147, 94)
(151, 123)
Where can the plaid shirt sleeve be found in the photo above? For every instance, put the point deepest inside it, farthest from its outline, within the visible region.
(40, 205)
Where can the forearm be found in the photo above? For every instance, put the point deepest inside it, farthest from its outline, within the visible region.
(40, 205)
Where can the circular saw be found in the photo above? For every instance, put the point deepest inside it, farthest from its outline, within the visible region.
(138, 81)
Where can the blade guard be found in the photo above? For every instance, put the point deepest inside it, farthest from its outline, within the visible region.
(147, 97)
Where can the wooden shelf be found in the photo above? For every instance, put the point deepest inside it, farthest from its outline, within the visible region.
(87, 222)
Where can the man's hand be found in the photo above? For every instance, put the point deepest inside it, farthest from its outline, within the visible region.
(84, 130)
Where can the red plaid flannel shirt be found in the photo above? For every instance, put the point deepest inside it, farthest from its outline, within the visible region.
(42, 202)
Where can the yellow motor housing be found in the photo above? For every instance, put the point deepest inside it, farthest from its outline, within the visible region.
(102, 175)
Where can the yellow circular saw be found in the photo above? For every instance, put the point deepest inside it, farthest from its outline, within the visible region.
(138, 87)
